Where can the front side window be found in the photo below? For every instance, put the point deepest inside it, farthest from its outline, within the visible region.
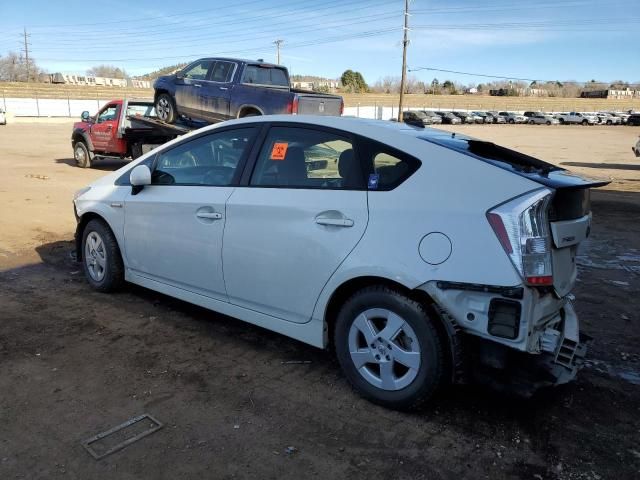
(198, 70)
(222, 72)
(306, 158)
(108, 114)
(209, 160)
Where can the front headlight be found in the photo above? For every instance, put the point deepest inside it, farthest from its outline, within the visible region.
(80, 192)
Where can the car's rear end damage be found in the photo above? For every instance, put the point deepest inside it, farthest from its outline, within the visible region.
(526, 335)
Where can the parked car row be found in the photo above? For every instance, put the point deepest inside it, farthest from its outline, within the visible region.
(429, 117)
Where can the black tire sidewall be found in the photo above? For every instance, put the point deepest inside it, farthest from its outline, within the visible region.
(114, 276)
(430, 372)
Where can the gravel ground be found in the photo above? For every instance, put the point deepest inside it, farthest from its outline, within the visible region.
(76, 362)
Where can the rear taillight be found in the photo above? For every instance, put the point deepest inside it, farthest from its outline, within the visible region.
(293, 105)
(522, 227)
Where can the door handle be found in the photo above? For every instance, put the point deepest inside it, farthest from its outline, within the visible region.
(336, 222)
(209, 215)
(223, 88)
(197, 85)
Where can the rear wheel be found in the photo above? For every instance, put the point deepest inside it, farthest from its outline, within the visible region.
(548, 122)
(388, 348)
(531, 122)
(165, 108)
(585, 122)
(81, 154)
(101, 257)
(512, 121)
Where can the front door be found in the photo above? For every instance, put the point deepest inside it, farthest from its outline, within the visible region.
(104, 131)
(304, 210)
(173, 227)
(216, 92)
(189, 86)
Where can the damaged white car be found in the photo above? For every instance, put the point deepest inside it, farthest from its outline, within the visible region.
(422, 257)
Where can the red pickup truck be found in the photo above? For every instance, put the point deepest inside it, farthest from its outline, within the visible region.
(121, 129)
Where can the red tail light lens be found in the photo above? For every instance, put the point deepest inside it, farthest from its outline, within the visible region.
(522, 228)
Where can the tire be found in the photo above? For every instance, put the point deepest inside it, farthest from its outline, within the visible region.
(166, 108)
(250, 114)
(531, 122)
(101, 259)
(561, 121)
(548, 122)
(382, 377)
(585, 122)
(609, 122)
(81, 154)
(512, 121)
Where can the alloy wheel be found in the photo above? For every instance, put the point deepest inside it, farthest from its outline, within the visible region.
(95, 256)
(384, 349)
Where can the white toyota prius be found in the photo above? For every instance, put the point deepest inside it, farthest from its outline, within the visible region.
(421, 256)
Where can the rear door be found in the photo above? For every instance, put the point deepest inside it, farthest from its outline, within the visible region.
(302, 212)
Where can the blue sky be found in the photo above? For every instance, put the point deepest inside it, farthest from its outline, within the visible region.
(547, 40)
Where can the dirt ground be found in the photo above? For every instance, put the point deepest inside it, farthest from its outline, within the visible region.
(74, 363)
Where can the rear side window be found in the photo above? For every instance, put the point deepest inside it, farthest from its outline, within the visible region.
(294, 157)
(259, 75)
(387, 167)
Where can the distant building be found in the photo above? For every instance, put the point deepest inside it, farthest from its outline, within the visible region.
(332, 85)
(625, 94)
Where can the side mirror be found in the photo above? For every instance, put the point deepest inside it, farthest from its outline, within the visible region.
(179, 75)
(85, 116)
(139, 177)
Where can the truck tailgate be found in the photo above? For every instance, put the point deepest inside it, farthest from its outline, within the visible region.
(313, 104)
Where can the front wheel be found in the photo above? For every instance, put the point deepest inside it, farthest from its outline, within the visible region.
(101, 257)
(165, 108)
(81, 154)
(585, 122)
(388, 348)
(531, 122)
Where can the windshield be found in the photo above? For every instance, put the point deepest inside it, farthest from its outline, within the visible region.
(265, 75)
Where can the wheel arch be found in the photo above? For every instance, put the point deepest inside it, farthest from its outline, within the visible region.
(249, 108)
(84, 219)
(80, 135)
(348, 288)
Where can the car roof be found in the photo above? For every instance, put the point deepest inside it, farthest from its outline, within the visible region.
(382, 130)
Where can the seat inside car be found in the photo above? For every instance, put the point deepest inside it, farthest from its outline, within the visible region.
(349, 170)
(293, 169)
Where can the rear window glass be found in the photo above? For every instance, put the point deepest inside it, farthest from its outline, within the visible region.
(259, 75)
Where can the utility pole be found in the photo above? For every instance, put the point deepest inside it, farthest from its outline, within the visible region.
(26, 52)
(277, 43)
(405, 42)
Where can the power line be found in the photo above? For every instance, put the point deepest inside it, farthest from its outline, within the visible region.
(499, 77)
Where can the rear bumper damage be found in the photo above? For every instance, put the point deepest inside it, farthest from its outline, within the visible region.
(515, 339)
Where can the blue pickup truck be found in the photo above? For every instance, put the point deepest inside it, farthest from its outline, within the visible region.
(217, 89)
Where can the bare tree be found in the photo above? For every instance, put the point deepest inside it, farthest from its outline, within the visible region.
(108, 71)
(13, 68)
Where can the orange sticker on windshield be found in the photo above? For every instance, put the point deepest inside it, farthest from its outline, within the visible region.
(279, 151)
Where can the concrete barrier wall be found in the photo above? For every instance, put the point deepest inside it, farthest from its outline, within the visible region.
(46, 107)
